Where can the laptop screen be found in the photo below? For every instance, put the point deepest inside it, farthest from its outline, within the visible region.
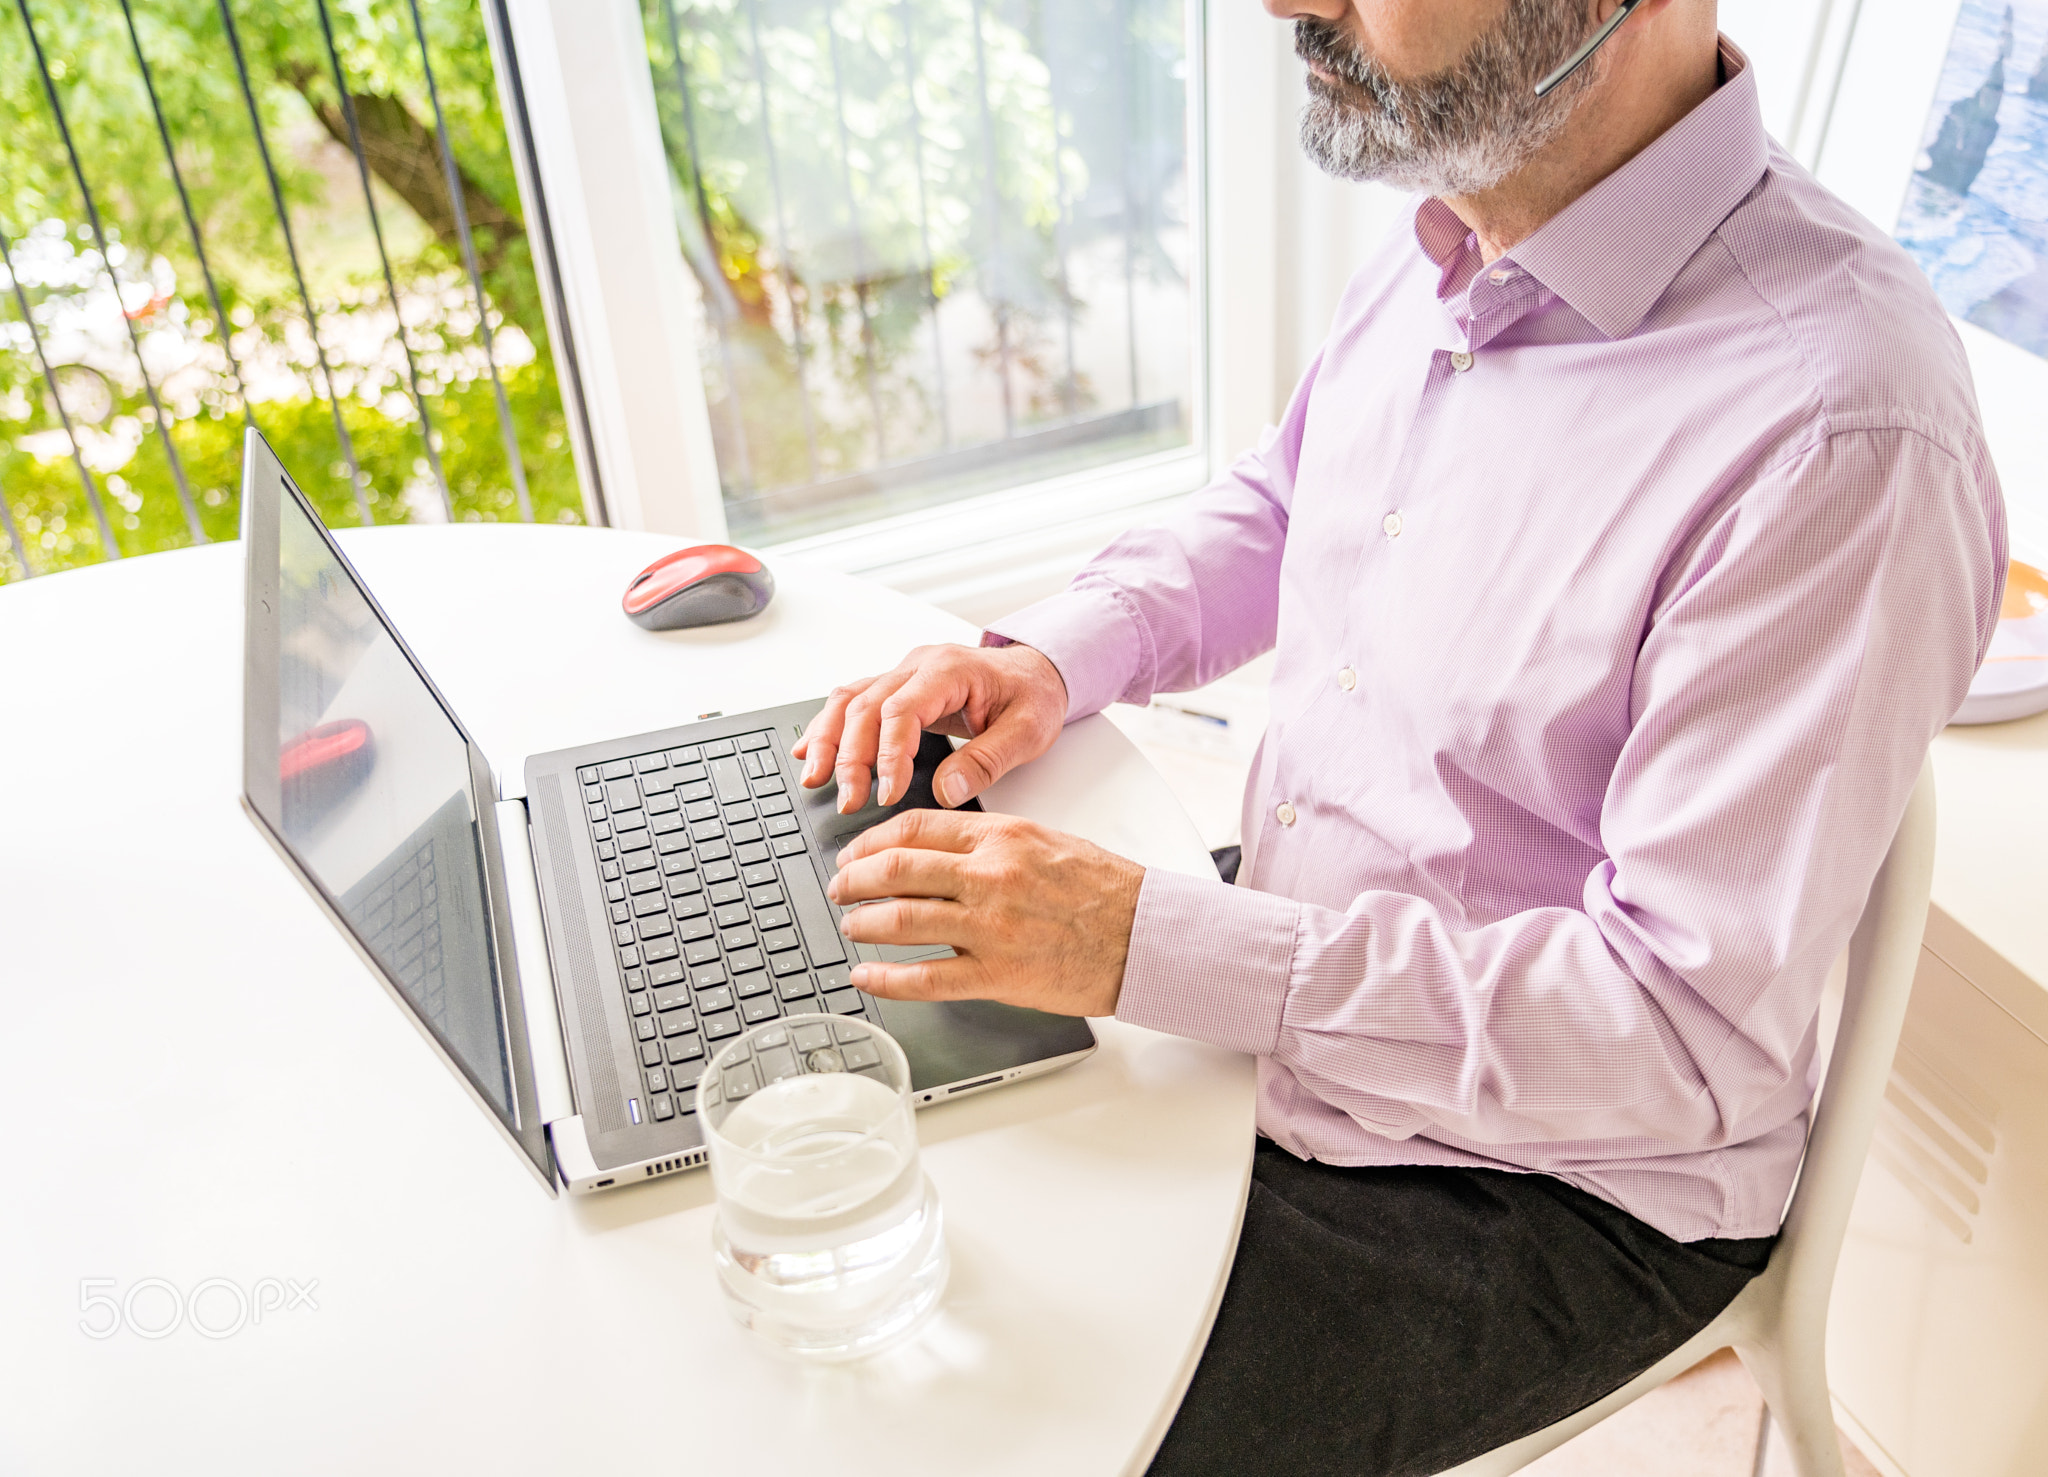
(374, 799)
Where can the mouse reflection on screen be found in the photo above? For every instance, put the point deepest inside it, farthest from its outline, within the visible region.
(705, 585)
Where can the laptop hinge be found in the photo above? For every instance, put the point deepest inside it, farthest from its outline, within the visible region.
(536, 977)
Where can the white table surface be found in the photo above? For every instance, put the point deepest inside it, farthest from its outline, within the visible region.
(200, 1081)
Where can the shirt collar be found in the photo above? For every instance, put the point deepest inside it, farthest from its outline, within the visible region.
(1613, 251)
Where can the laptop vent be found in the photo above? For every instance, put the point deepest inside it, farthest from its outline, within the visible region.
(606, 1105)
(681, 1161)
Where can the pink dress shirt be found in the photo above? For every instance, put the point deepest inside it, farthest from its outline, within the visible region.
(1618, 587)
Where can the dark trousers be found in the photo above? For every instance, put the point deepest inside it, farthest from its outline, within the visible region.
(1381, 1322)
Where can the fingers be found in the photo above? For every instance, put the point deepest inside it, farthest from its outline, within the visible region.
(923, 700)
(980, 762)
(900, 872)
(819, 746)
(928, 979)
(927, 830)
(908, 921)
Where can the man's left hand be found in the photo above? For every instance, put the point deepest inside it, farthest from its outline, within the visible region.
(1037, 917)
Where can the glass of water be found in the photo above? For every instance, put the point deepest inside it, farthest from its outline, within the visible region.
(828, 1237)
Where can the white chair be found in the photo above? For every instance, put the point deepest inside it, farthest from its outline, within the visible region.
(1778, 1324)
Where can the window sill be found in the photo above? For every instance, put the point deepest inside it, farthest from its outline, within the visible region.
(987, 556)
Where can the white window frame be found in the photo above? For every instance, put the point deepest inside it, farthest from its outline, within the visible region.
(631, 307)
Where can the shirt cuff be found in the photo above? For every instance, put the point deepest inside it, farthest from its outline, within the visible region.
(1210, 961)
(1090, 636)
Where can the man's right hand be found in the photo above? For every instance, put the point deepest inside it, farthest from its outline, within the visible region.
(1008, 701)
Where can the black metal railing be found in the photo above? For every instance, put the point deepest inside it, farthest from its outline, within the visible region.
(406, 49)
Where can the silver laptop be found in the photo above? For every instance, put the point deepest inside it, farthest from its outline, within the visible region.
(577, 956)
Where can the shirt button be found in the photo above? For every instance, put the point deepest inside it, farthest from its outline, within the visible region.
(1285, 814)
(1392, 524)
(1461, 361)
(1347, 679)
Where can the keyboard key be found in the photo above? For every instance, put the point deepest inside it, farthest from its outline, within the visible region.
(634, 841)
(814, 1037)
(843, 1002)
(757, 764)
(657, 784)
(789, 963)
(771, 786)
(765, 897)
(758, 1009)
(741, 960)
(691, 793)
(647, 762)
(736, 939)
(689, 930)
(665, 825)
(838, 977)
(708, 976)
(741, 832)
(608, 869)
(713, 851)
(701, 810)
(621, 913)
(753, 853)
(631, 820)
(622, 795)
(690, 905)
(657, 1080)
(606, 851)
(858, 1054)
(640, 1003)
(720, 870)
(596, 813)
(664, 1109)
(662, 804)
(794, 987)
(846, 1032)
(637, 979)
(676, 1022)
(718, 1027)
(655, 926)
(754, 982)
(673, 997)
(759, 740)
(644, 1028)
(588, 773)
(729, 780)
(718, 749)
(723, 893)
(777, 939)
(682, 1076)
(740, 1081)
(638, 861)
(614, 892)
(783, 825)
(600, 833)
(665, 972)
(670, 843)
(736, 813)
(664, 949)
(706, 831)
(703, 951)
(652, 900)
(729, 913)
(770, 917)
(685, 756)
(682, 874)
(629, 958)
(622, 934)
(618, 769)
(645, 881)
(650, 1053)
(789, 845)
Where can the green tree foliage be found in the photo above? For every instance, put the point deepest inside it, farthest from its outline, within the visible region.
(77, 309)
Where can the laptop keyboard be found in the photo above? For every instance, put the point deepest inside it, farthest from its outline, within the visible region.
(716, 914)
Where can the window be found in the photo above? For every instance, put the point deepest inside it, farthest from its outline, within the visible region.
(940, 247)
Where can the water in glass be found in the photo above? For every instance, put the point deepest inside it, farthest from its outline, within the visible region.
(828, 1236)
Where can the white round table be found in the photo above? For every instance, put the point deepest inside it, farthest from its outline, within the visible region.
(208, 1100)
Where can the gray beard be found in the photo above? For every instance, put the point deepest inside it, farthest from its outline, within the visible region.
(1457, 132)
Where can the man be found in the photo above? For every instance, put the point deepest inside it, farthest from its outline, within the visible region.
(1624, 547)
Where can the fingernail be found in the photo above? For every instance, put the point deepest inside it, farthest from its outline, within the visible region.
(860, 976)
(953, 789)
(832, 888)
(846, 925)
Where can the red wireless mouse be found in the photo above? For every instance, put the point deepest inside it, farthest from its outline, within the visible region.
(705, 585)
